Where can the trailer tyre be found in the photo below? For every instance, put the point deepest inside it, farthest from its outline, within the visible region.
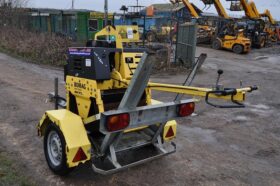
(238, 49)
(54, 148)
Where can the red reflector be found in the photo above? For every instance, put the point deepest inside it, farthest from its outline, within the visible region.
(170, 133)
(117, 122)
(186, 109)
(80, 156)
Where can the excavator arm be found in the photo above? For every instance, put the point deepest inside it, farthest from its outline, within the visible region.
(219, 7)
(247, 8)
(188, 5)
(252, 12)
(259, 15)
(254, 9)
(269, 16)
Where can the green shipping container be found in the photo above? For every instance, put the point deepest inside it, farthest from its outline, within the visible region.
(82, 26)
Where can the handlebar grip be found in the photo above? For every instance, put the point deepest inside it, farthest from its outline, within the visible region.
(253, 88)
(230, 91)
(226, 92)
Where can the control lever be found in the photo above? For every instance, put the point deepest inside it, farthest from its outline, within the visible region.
(59, 102)
(219, 90)
(219, 87)
(226, 92)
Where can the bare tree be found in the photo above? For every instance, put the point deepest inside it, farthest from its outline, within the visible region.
(14, 3)
(13, 13)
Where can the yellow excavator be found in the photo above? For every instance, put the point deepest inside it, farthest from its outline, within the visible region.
(272, 28)
(228, 36)
(270, 25)
(255, 29)
(269, 16)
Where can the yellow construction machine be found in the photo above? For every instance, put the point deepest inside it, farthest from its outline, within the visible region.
(109, 116)
(255, 29)
(228, 36)
(161, 34)
(271, 26)
(205, 31)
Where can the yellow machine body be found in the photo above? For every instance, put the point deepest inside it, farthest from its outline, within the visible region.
(72, 127)
(159, 34)
(86, 101)
(204, 29)
(228, 42)
(269, 29)
(270, 25)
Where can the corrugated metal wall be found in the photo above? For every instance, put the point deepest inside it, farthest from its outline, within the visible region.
(59, 22)
(186, 44)
(82, 26)
(40, 23)
(56, 23)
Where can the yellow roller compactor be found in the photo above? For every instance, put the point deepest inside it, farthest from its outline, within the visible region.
(109, 116)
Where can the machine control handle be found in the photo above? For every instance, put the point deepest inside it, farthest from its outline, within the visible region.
(254, 88)
(220, 72)
(226, 92)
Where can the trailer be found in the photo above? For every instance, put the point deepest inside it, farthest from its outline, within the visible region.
(109, 116)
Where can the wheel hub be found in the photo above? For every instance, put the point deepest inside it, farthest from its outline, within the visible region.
(54, 148)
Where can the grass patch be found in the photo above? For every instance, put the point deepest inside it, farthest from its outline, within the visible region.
(10, 174)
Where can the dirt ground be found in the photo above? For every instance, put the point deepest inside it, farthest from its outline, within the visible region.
(216, 147)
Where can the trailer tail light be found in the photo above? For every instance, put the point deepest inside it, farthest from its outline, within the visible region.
(117, 122)
(80, 156)
(185, 109)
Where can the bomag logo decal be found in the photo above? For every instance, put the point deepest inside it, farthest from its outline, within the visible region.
(80, 85)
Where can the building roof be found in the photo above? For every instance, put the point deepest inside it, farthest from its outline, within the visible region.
(58, 11)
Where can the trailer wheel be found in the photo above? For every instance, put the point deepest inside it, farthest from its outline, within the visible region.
(238, 49)
(54, 148)
(216, 44)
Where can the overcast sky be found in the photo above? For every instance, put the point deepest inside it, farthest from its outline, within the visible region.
(114, 5)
